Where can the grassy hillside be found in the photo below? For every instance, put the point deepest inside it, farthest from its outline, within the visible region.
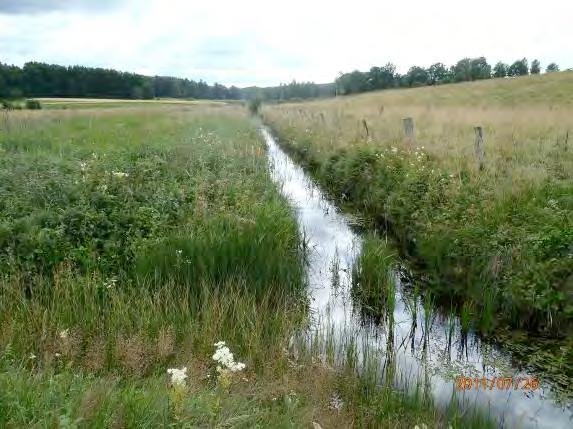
(552, 89)
(498, 242)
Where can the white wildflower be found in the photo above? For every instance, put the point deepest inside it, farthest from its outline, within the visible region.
(110, 283)
(552, 203)
(336, 403)
(57, 355)
(178, 252)
(119, 174)
(178, 376)
(225, 359)
(64, 334)
(32, 356)
(83, 166)
(394, 149)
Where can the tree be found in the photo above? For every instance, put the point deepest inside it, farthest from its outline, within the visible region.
(417, 76)
(437, 74)
(535, 67)
(479, 69)
(462, 71)
(351, 83)
(519, 68)
(382, 77)
(500, 70)
(551, 68)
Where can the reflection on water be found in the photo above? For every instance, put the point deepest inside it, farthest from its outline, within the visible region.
(413, 343)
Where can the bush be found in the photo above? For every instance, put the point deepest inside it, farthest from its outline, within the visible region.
(33, 105)
(254, 106)
(7, 105)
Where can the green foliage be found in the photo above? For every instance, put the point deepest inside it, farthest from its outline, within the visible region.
(462, 71)
(437, 74)
(520, 243)
(417, 76)
(130, 242)
(518, 68)
(49, 80)
(480, 69)
(382, 77)
(551, 68)
(95, 205)
(33, 105)
(351, 83)
(535, 67)
(254, 106)
(8, 105)
(289, 91)
(373, 282)
(500, 70)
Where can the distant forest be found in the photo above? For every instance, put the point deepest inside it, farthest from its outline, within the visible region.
(48, 80)
(467, 69)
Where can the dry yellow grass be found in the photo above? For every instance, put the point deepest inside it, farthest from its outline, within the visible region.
(526, 122)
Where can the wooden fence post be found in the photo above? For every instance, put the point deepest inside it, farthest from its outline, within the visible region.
(365, 125)
(409, 130)
(6, 121)
(479, 147)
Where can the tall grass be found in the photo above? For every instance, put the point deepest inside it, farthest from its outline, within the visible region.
(132, 240)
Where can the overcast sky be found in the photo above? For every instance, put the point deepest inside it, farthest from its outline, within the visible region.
(264, 42)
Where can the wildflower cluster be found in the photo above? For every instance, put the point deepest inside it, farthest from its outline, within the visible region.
(178, 390)
(225, 359)
(178, 376)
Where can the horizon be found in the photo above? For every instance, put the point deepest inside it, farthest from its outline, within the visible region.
(245, 45)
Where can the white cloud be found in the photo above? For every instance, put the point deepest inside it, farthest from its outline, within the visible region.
(259, 42)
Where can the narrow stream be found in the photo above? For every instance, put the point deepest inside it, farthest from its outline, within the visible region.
(420, 346)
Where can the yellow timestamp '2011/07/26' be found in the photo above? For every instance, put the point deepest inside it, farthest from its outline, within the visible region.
(499, 383)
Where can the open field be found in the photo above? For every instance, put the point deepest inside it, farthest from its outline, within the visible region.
(85, 103)
(497, 242)
(134, 239)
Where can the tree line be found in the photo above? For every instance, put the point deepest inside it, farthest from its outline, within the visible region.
(36, 79)
(467, 69)
(48, 80)
(291, 91)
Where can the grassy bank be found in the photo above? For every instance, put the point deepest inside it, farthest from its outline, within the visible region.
(496, 243)
(131, 241)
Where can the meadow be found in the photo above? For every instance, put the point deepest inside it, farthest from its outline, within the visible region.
(493, 244)
(132, 242)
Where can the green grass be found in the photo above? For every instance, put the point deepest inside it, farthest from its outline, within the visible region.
(132, 240)
(373, 282)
